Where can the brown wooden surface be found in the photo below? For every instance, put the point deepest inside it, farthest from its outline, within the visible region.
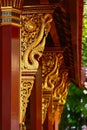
(10, 78)
(15, 77)
(48, 121)
(0, 80)
(50, 127)
(75, 10)
(35, 104)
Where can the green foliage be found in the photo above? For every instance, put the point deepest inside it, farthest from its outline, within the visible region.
(84, 37)
(75, 109)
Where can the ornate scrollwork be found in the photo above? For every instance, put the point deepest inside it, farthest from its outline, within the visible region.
(45, 103)
(34, 31)
(50, 70)
(54, 80)
(60, 93)
(25, 91)
(51, 63)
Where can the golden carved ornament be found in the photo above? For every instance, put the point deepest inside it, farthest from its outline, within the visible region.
(45, 103)
(25, 91)
(12, 3)
(60, 93)
(35, 28)
(51, 63)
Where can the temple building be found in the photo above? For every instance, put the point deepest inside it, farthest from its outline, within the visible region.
(41, 53)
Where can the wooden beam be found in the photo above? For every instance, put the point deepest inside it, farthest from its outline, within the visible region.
(10, 77)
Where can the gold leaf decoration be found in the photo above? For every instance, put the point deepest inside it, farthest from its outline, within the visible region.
(25, 91)
(34, 31)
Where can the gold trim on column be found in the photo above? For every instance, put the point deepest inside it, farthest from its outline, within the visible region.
(13, 3)
(10, 16)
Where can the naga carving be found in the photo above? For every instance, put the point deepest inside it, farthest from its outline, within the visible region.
(50, 70)
(60, 93)
(51, 63)
(35, 29)
(55, 81)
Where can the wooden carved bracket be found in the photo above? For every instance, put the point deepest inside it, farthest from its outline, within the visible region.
(51, 63)
(34, 30)
(54, 80)
(60, 93)
(25, 92)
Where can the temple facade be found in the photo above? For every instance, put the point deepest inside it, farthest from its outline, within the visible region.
(40, 55)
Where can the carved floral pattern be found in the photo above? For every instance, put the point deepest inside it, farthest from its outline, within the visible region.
(50, 69)
(34, 31)
(25, 91)
(51, 63)
(60, 93)
(61, 90)
(45, 103)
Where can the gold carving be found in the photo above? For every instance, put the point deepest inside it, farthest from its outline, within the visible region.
(50, 69)
(45, 103)
(55, 81)
(60, 93)
(34, 31)
(51, 63)
(25, 91)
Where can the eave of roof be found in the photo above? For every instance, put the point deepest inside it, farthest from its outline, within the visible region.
(72, 38)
